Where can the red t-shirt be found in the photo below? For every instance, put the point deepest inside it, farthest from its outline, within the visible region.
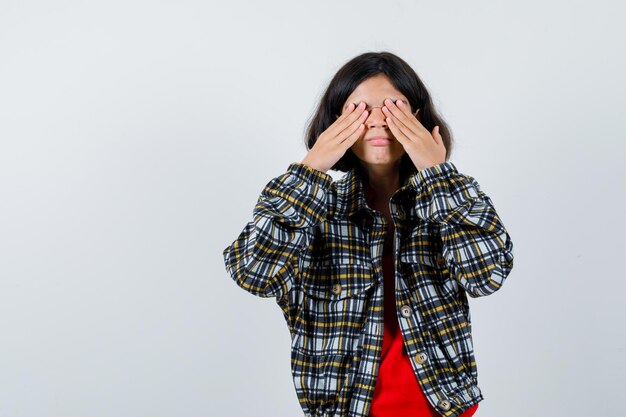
(397, 392)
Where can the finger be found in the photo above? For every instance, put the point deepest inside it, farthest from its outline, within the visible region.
(390, 109)
(356, 126)
(402, 113)
(418, 123)
(421, 126)
(346, 119)
(349, 109)
(437, 136)
(398, 133)
(412, 116)
(345, 113)
(353, 137)
(408, 133)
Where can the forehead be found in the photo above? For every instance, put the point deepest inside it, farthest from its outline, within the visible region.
(374, 91)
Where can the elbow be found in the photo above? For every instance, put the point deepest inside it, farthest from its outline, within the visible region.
(254, 278)
(247, 281)
(263, 289)
(489, 279)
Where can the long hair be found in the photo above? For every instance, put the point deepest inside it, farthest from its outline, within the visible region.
(348, 78)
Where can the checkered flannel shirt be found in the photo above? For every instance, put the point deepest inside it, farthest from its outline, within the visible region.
(316, 246)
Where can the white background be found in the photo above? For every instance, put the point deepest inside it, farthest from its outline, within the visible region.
(136, 137)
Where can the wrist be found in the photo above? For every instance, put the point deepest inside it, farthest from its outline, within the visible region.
(313, 165)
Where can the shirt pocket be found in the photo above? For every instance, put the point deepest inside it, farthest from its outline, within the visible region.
(337, 280)
(332, 309)
(422, 245)
(328, 328)
(453, 340)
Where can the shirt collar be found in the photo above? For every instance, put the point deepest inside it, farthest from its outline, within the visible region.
(351, 194)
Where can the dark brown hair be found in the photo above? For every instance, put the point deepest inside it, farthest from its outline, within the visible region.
(348, 78)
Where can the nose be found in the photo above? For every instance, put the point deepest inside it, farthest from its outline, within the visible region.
(376, 118)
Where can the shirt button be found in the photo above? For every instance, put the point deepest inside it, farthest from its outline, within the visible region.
(440, 260)
(337, 289)
(444, 405)
(405, 311)
(421, 357)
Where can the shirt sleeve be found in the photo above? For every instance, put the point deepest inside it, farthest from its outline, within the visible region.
(476, 247)
(261, 259)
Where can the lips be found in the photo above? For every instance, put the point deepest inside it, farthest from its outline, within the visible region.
(378, 140)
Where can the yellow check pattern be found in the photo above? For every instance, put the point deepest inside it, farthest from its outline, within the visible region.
(315, 246)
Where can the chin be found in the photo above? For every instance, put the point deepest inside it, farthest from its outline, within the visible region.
(380, 158)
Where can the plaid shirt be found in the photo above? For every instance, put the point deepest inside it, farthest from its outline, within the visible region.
(316, 247)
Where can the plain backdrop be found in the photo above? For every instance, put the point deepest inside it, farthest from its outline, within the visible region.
(136, 137)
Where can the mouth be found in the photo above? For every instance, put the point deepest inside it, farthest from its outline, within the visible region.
(379, 140)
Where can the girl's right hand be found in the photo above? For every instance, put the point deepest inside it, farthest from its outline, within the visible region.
(333, 143)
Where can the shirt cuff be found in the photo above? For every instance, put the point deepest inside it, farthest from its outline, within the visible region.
(310, 174)
(431, 175)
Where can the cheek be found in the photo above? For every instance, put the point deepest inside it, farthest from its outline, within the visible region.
(359, 148)
(358, 145)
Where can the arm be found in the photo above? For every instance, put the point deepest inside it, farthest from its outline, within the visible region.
(261, 259)
(477, 249)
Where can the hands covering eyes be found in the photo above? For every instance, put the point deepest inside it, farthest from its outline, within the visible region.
(424, 148)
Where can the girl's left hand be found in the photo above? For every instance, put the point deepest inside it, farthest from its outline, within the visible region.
(424, 149)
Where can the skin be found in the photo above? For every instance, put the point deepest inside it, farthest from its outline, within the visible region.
(389, 114)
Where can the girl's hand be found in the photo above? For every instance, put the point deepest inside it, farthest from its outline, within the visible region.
(333, 143)
(424, 149)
